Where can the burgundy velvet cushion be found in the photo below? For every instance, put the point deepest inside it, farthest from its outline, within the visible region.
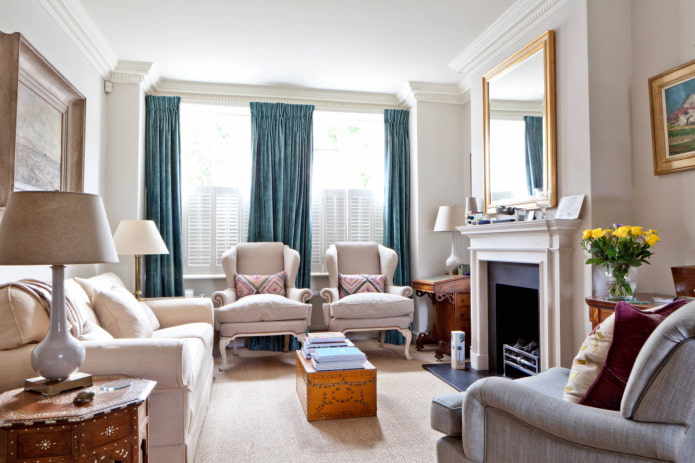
(632, 328)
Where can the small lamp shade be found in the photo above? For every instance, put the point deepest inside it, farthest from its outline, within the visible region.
(138, 238)
(472, 204)
(450, 217)
(55, 227)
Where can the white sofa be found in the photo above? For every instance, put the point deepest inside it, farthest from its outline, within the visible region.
(174, 349)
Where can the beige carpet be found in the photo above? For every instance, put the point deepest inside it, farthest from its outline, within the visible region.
(255, 415)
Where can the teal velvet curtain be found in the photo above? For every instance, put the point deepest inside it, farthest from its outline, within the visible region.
(397, 198)
(534, 152)
(280, 206)
(164, 272)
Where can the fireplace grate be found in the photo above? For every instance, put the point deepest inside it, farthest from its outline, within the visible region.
(520, 360)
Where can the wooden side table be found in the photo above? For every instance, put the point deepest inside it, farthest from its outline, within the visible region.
(451, 300)
(601, 308)
(112, 427)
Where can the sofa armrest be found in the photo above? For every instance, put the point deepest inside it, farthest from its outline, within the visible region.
(405, 291)
(173, 363)
(173, 311)
(561, 420)
(299, 294)
(330, 295)
(224, 297)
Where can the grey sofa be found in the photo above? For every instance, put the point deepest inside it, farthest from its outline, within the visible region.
(525, 420)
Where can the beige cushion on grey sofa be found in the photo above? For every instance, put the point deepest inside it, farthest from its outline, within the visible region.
(526, 420)
(178, 357)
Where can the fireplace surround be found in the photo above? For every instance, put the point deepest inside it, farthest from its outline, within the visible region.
(550, 245)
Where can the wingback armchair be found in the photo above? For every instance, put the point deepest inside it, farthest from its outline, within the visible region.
(366, 311)
(502, 420)
(261, 297)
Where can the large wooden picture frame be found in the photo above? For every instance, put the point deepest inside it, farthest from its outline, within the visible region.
(42, 123)
(672, 95)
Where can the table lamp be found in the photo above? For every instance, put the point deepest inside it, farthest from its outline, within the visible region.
(448, 218)
(56, 228)
(138, 238)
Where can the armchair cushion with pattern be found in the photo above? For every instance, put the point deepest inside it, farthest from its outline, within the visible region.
(355, 300)
(261, 297)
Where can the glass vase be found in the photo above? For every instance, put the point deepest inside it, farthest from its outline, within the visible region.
(621, 281)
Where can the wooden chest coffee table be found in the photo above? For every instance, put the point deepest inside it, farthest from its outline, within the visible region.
(328, 395)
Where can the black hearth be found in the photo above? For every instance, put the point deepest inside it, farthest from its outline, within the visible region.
(513, 308)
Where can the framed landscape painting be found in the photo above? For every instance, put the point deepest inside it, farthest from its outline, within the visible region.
(41, 125)
(672, 96)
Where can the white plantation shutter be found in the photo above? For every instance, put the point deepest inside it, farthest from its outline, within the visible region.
(198, 222)
(214, 221)
(343, 215)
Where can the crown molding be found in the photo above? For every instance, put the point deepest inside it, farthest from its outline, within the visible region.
(414, 92)
(73, 18)
(134, 72)
(520, 17)
(234, 93)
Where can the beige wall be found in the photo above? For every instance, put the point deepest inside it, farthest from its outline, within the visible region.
(41, 30)
(605, 53)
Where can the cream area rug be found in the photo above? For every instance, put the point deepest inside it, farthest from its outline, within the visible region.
(255, 415)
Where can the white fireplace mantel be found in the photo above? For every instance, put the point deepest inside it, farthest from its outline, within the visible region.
(548, 243)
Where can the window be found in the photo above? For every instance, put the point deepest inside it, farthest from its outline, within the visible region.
(347, 182)
(215, 180)
(347, 185)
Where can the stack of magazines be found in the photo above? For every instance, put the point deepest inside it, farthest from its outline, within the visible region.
(337, 358)
(324, 339)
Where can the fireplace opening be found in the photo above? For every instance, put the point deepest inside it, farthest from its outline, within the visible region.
(514, 317)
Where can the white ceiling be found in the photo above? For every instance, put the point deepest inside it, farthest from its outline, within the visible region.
(358, 45)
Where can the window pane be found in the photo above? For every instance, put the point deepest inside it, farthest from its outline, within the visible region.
(348, 181)
(216, 175)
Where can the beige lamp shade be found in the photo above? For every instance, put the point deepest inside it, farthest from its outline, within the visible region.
(138, 238)
(55, 227)
(450, 217)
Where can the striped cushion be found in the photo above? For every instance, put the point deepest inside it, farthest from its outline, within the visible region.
(353, 284)
(246, 285)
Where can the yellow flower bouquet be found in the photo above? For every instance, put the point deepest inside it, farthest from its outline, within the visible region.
(618, 249)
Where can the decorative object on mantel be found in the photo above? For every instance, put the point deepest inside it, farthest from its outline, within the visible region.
(569, 207)
(138, 238)
(672, 95)
(619, 249)
(448, 218)
(543, 198)
(56, 228)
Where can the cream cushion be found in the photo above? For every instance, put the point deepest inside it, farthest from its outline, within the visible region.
(589, 361)
(121, 314)
(371, 305)
(23, 320)
(262, 307)
(93, 332)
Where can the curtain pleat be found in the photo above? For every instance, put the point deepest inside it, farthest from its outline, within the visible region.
(164, 272)
(534, 152)
(397, 199)
(280, 206)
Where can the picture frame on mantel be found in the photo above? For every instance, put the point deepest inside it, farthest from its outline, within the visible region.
(672, 104)
(42, 126)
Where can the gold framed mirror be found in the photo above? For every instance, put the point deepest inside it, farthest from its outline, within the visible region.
(519, 127)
